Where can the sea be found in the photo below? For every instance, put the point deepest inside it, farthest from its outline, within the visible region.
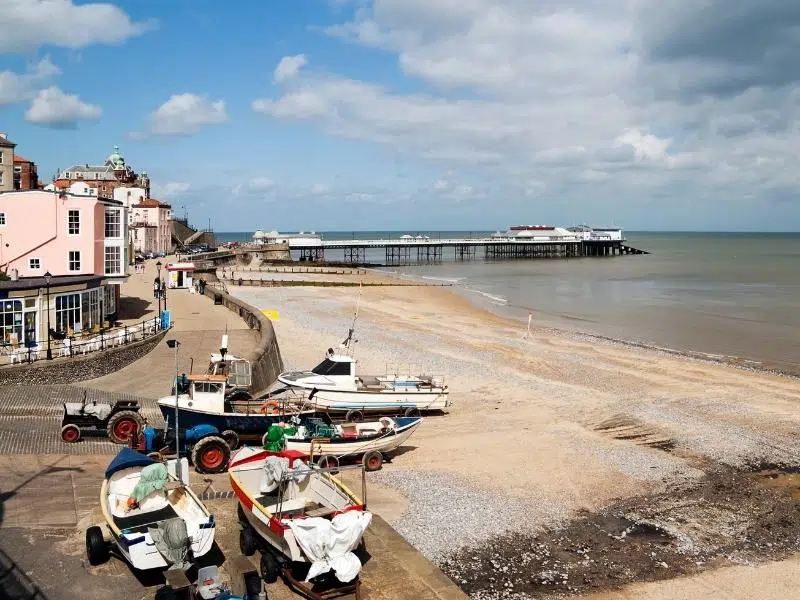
(724, 295)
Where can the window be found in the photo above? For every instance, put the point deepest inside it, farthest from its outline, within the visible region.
(109, 300)
(74, 260)
(91, 313)
(113, 228)
(17, 169)
(73, 222)
(1, 157)
(2, 219)
(34, 263)
(10, 321)
(113, 260)
(1, 178)
(330, 367)
(68, 312)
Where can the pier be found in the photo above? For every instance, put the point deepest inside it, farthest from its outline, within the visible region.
(411, 251)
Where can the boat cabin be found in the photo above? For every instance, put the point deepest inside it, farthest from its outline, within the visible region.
(338, 369)
(237, 371)
(207, 392)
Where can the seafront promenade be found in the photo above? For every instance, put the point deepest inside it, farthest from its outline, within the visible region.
(198, 325)
(49, 493)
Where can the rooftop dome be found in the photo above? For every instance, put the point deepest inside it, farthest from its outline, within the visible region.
(258, 235)
(116, 159)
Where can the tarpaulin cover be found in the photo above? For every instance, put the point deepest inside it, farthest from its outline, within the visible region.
(152, 478)
(330, 544)
(127, 458)
(172, 541)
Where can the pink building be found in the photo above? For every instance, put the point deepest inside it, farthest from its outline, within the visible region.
(80, 241)
(151, 226)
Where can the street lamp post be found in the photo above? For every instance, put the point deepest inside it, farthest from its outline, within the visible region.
(158, 292)
(176, 344)
(47, 277)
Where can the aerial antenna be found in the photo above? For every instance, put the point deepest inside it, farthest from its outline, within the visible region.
(351, 331)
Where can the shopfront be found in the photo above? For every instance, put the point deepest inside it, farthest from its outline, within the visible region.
(76, 305)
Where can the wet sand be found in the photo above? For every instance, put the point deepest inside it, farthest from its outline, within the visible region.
(549, 426)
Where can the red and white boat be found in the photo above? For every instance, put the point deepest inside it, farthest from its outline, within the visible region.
(294, 512)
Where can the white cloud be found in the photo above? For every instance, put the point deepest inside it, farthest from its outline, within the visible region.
(257, 186)
(16, 87)
(28, 24)
(289, 67)
(545, 98)
(53, 108)
(185, 114)
(171, 189)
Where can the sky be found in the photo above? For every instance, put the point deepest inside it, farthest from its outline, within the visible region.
(420, 114)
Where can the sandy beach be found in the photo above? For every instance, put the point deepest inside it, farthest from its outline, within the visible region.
(552, 430)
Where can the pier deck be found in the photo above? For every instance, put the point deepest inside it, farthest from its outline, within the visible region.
(399, 252)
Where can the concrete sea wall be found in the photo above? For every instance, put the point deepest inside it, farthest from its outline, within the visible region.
(265, 360)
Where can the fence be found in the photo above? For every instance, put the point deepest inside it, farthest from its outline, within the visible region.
(81, 344)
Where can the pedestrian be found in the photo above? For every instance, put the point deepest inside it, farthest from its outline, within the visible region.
(156, 287)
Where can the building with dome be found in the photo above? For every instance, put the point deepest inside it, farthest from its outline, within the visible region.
(112, 174)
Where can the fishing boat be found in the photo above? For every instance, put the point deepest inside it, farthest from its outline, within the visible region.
(155, 520)
(202, 400)
(296, 514)
(372, 440)
(333, 385)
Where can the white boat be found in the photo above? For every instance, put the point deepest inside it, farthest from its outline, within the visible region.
(296, 514)
(372, 440)
(334, 386)
(168, 526)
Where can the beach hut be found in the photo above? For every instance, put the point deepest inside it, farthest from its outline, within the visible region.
(180, 275)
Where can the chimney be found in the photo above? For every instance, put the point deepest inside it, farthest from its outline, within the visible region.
(3, 135)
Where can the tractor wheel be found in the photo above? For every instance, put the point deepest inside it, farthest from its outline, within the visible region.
(96, 546)
(270, 569)
(373, 461)
(231, 438)
(411, 412)
(211, 455)
(70, 433)
(122, 426)
(354, 416)
(248, 543)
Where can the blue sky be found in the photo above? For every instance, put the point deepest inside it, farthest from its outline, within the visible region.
(419, 114)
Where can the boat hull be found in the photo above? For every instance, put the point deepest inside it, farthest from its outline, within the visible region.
(379, 402)
(251, 423)
(341, 447)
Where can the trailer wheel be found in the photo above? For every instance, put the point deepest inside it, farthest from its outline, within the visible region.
(354, 416)
(96, 546)
(373, 461)
(231, 438)
(122, 426)
(411, 412)
(70, 433)
(211, 455)
(329, 462)
(165, 592)
(248, 543)
(240, 395)
(270, 569)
